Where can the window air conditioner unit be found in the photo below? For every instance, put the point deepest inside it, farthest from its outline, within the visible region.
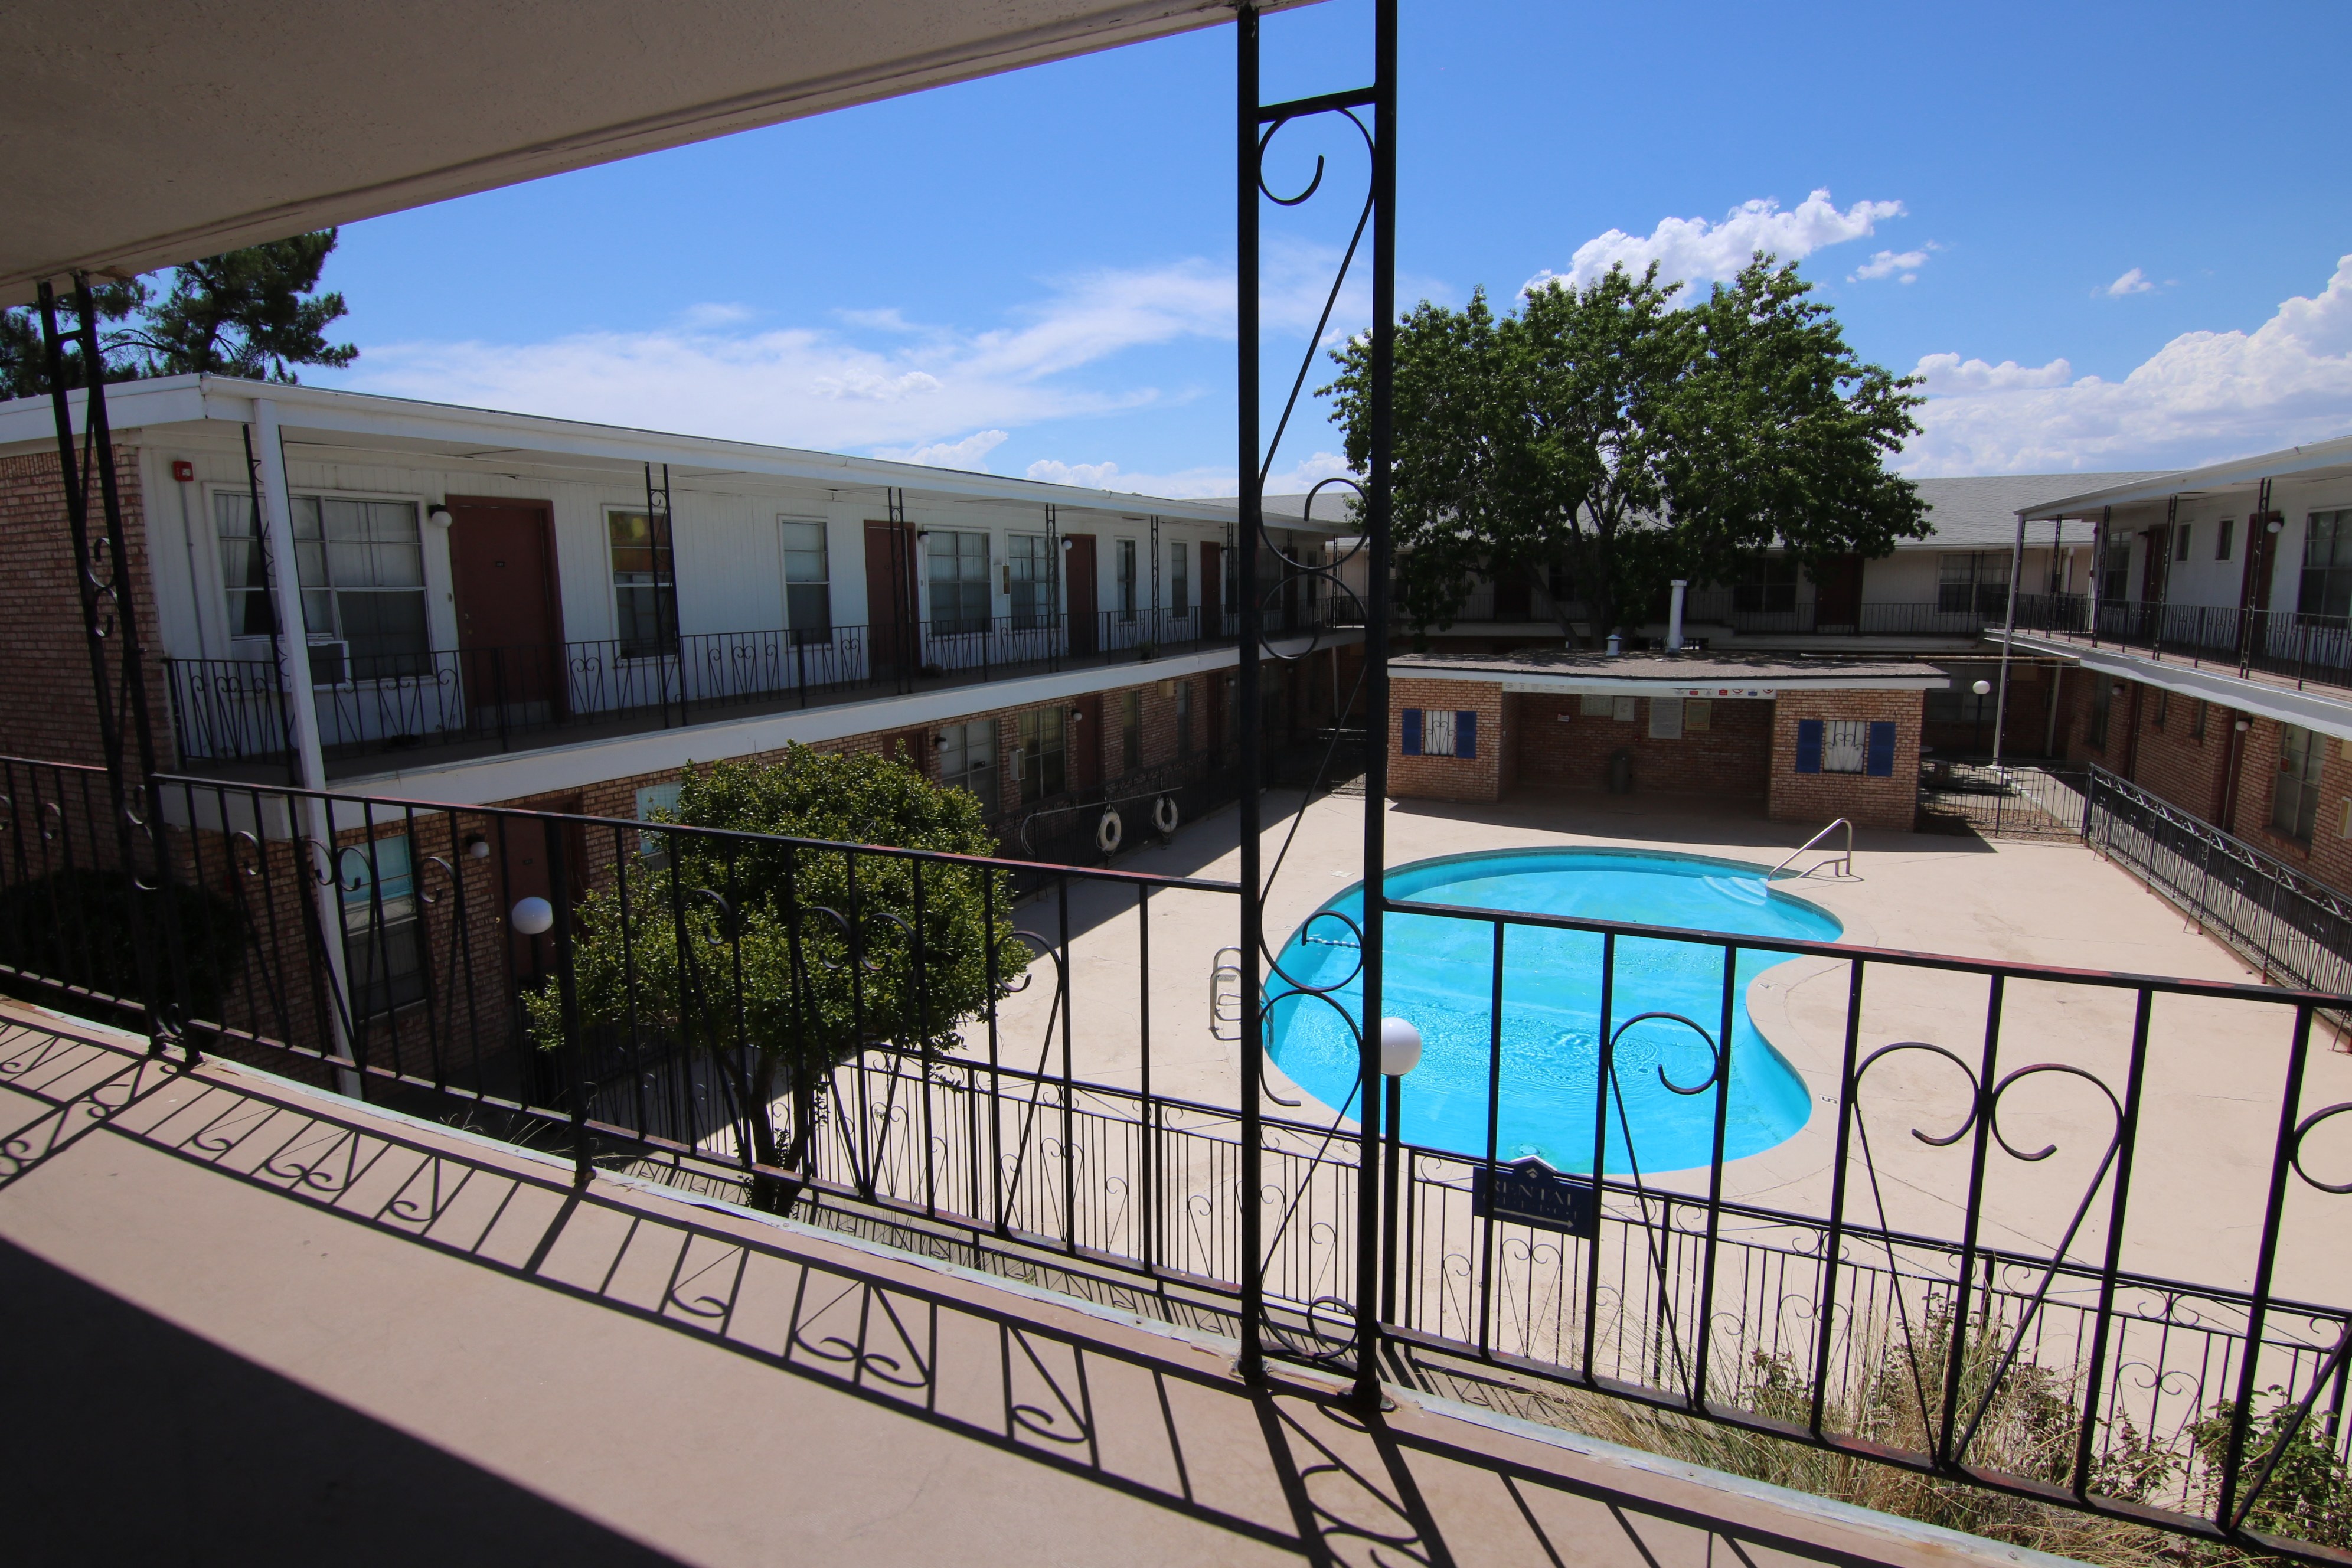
(331, 663)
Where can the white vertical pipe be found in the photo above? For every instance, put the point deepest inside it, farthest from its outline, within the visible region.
(294, 638)
(2008, 638)
(1675, 616)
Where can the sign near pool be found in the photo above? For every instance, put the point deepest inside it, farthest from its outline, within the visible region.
(1530, 1191)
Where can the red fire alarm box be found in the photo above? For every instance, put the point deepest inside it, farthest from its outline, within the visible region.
(183, 470)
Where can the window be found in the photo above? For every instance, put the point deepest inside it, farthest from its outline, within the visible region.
(2163, 706)
(2326, 566)
(655, 803)
(2197, 721)
(1974, 584)
(2180, 542)
(1440, 732)
(1767, 586)
(2226, 528)
(2295, 794)
(1126, 578)
(1183, 718)
(958, 574)
(645, 583)
(808, 581)
(384, 942)
(968, 760)
(1039, 761)
(1846, 746)
(1130, 731)
(361, 567)
(1029, 580)
(1180, 578)
(2115, 569)
(2103, 692)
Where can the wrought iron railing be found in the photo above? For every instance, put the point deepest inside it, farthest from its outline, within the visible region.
(2020, 1242)
(2291, 925)
(504, 698)
(2289, 643)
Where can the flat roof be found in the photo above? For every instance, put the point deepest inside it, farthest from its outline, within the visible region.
(326, 419)
(149, 136)
(1708, 674)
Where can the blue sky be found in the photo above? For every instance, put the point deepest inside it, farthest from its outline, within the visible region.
(2110, 236)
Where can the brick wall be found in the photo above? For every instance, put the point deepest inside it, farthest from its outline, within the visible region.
(47, 708)
(2173, 755)
(1477, 778)
(1889, 802)
(2328, 854)
(1561, 747)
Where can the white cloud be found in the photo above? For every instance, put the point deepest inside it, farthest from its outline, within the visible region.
(1888, 263)
(874, 379)
(2201, 398)
(1198, 483)
(2132, 282)
(1693, 250)
(969, 454)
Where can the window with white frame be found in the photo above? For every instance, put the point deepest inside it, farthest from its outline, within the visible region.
(808, 580)
(959, 578)
(655, 803)
(1973, 583)
(2326, 586)
(1846, 745)
(384, 942)
(1180, 577)
(361, 567)
(2294, 794)
(1029, 580)
(968, 760)
(1125, 606)
(645, 582)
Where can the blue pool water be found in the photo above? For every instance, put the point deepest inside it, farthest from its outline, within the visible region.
(1439, 975)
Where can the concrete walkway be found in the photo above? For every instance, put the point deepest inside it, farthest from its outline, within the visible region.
(249, 1323)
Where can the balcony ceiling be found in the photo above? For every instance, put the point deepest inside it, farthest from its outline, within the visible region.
(143, 135)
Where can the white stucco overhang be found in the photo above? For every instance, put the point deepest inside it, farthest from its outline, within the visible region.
(2330, 713)
(330, 422)
(2314, 461)
(1636, 675)
(143, 135)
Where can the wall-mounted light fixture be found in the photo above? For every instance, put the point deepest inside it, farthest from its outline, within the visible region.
(922, 533)
(439, 517)
(1078, 715)
(1067, 543)
(2241, 726)
(477, 846)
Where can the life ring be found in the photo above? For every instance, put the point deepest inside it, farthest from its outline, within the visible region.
(1163, 815)
(1108, 831)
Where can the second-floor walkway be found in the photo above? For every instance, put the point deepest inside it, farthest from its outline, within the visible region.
(251, 1321)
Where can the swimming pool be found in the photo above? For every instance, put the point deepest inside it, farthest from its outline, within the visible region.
(1439, 975)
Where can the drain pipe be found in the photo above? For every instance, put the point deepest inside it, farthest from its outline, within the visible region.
(1674, 616)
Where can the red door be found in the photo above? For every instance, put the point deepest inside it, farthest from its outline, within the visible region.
(890, 618)
(1837, 595)
(509, 621)
(1078, 570)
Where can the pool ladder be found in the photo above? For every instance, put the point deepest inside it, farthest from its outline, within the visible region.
(1843, 862)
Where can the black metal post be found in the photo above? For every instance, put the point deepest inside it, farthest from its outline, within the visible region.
(1253, 898)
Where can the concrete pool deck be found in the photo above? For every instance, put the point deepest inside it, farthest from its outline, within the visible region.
(2214, 1071)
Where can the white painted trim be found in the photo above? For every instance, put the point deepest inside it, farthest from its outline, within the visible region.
(553, 769)
(2330, 715)
(1626, 686)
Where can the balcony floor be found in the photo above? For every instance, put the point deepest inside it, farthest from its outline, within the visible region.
(251, 1322)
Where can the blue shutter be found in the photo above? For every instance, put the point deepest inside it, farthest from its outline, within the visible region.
(1465, 734)
(1412, 731)
(1809, 745)
(1879, 760)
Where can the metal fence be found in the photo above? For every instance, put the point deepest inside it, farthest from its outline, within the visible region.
(1970, 1259)
(2030, 800)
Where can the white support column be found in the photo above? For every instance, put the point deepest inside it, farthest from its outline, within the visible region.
(2008, 639)
(312, 815)
(1675, 616)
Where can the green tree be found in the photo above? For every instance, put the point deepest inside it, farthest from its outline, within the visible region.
(774, 961)
(1606, 434)
(253, 312)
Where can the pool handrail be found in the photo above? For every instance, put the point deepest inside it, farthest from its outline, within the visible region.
(1846, 859)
